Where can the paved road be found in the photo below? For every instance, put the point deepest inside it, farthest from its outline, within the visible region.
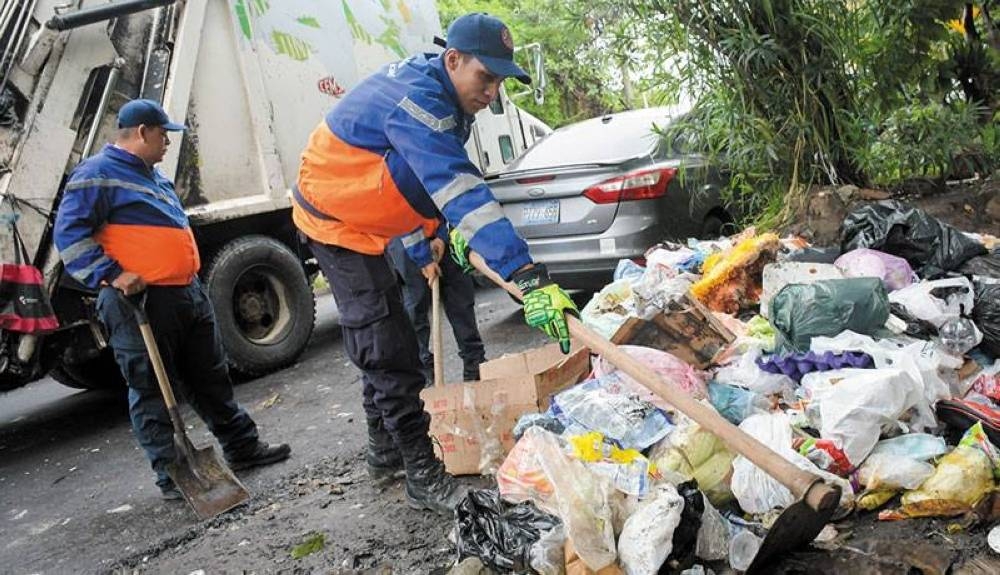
(76, 494)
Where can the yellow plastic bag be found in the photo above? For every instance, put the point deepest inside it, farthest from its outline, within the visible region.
(695, 453)
(963, 477)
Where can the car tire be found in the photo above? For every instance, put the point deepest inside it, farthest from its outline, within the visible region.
(100, 372)
(264, 305)
(715, 226)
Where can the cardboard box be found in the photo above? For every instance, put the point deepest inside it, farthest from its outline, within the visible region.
(472, 423)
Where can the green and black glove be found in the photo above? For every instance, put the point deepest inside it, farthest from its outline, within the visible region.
(545, 304)
(459, 250)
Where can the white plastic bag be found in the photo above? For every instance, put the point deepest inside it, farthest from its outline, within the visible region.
(920, 303)
(919, 446)
(856, 404)
(882, 471)
(746, 373)
(756, 491)
(646, 539)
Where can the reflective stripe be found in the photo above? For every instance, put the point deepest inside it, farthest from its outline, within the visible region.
(478, 218)
(305, 205)
(103, 183)
(413, 238)
(76, 250)
(425, 117)
(459, 185)
(84, 274)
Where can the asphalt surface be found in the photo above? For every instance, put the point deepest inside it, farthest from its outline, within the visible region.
(77, 495)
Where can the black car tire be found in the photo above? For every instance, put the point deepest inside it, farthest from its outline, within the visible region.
(263, 302)
(99, 373)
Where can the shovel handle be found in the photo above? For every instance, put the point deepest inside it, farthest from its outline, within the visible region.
(436, 332)
(817, 494)
(154, 354)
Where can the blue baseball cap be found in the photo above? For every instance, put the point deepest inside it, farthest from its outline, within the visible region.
(489, 40)
(146, 112)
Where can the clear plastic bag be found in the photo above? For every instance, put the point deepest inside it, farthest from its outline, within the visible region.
(647, 538)
(746, 373)
(604, 405)
(691, 452)
(882, 471)
(919, 446)
(713, 536)
(735, 403)
(547, 555)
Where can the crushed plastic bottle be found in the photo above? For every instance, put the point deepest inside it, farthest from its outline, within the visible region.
(742, 550)
(959, 335)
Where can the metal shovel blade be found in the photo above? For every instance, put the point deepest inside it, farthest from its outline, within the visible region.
(206, 482)
(797, 526)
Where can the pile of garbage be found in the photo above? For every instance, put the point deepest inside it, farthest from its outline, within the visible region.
(873, 365)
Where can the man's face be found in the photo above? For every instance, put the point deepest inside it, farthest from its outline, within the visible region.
(475, 84)
(154, 143)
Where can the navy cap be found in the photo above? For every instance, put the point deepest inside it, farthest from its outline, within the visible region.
(489, 40)
(146, 112)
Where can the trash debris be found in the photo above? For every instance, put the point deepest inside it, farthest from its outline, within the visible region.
(647, 538)
(664, 364)
(895, 272)
(994, 539)
(500, 534)
(694, 453)
(930, 246)
(120, 509)
(826, 308)
(270, 402)
(629, 470)
(937, 301)
(778, 275)
(312, 543)
(795, 365)
(733, 279)
(604, 405)
(986, 315)
(735, 403)
(687, 331)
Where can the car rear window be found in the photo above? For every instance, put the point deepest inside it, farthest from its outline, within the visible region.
(614, 138)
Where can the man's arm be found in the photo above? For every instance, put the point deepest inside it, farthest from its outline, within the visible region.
(82, 211)
(419, 129)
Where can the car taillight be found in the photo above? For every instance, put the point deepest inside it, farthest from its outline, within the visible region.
(644, 185)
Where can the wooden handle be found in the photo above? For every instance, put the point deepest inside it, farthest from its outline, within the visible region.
(798, 481)
(438, 349)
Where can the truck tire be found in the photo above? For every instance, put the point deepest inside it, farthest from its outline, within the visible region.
(263, 304)
(99, 373)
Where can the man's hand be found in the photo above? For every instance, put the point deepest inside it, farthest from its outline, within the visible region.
(437, 249)
(129, 283)
(545, 304)
(460, 250)
(431, 272)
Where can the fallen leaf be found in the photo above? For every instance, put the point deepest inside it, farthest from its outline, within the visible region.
(313, 543)
(269, 402)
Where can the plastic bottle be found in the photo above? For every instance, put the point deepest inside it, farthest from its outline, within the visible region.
(959, 335)
(742, 549)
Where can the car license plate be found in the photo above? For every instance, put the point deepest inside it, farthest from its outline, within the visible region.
(543, 212)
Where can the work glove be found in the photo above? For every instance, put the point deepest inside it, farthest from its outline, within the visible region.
(459, 250)
(545, 304)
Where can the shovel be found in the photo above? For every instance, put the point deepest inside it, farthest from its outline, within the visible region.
(206, 482)
(438, 347)
(815, 502)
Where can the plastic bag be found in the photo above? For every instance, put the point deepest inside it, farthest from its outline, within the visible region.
(546, 421)
(756, 491)
(882, 471)
(685, 539)
(694, 453)
(548, 556)
(604, 405)
(930, 246)
(961, 480)
(778, 275)
(658, 288)
(894, 271)
(795, 365)
(984, 268)
(500, 534)
(674, 370)
(918, 446)
(922, 360)
(628, 469)
(610, 308)
(563, 486)
(826, 308)
(628, 269)
(855, 404)
(713, 535)
(647, 538)
(747, 373)
(736, 404)
(986, 315)
(936, 302)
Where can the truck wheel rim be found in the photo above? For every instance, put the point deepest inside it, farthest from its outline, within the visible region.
(260, 306)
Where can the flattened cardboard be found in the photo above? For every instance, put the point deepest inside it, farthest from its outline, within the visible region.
(472, 423)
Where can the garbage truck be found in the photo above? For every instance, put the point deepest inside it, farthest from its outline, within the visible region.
(250, 79)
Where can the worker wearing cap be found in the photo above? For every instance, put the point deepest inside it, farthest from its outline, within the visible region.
(121, 228)
(389, 160)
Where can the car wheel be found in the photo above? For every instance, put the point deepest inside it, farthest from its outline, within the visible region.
(99, 373)
(715, 226)
(263, 304)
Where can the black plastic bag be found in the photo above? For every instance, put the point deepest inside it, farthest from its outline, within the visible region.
(929, 245)
(915, 327)
(685, 539)
(499, 533)
(984, 266)
(986, 316)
